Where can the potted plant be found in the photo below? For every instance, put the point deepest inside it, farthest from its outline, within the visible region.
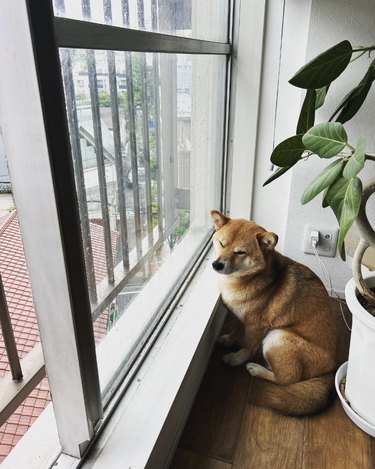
(344, 193)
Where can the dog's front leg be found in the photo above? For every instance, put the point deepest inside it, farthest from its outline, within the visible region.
(251, 344)
(235, 337)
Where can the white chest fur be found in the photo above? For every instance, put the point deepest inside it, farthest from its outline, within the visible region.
(232, 300)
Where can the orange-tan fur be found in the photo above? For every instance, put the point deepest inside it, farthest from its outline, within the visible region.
(285, 310)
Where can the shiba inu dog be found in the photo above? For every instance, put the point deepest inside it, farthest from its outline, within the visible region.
(286, 312)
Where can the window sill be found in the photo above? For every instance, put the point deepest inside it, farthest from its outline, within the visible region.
(147, 423)
(158, 399)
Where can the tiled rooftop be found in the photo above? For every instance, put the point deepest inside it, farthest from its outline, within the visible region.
(18, 293)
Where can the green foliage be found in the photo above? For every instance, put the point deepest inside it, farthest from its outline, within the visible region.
(279, 172)
(104, 99)
(321, 94)
(138, 62)
(307, 115)
(183, 225)
(326, 139)
(351, 203)
(153, 168)
(122, 100)
(327, 177)
(288, 152)
(357, 160)
(339, 181)
(81, 96)
(325, 68)
(353, 101)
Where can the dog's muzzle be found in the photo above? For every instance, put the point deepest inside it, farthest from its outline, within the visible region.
(217, 265)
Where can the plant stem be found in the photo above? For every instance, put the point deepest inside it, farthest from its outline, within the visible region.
(357, 262)
(350, 147)
(367, 239)
(358, 56)
(364, 49)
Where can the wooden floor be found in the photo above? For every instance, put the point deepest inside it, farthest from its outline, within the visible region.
(225, 431)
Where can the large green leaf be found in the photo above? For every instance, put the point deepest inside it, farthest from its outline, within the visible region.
(288, 152)
(279, 172)
(324, 68)
(335, 196)
(322, 181)
(331, 190)
(324, 198)
(349, 211)
(356, 161)
(353, 101)
(326, 139)
(344, 197)
(321, 94)
(307, 115)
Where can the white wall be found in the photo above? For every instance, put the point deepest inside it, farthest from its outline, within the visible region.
(286, 20)
(308, 29)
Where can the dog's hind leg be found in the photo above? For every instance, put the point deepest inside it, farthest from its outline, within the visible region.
(282, 351)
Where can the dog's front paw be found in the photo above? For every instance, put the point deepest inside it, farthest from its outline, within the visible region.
(253, 368)
(231, 359)
(225, 340)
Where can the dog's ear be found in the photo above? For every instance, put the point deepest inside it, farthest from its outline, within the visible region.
(267, 240)
(219, 219)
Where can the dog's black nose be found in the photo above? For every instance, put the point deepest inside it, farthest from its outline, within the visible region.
(217, 265)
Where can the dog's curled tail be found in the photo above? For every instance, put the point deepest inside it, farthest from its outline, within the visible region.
(298, 399)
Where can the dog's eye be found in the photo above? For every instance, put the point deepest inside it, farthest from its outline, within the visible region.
(240, 252)
(221, 244)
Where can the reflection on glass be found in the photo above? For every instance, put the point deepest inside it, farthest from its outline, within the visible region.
(146, 132)
(207, 20)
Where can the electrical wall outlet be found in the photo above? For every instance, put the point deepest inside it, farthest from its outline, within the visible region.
(327, 240)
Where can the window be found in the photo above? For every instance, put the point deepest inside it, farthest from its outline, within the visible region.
(129, 175)
(156, 139)
(122, 84)
(101, 84)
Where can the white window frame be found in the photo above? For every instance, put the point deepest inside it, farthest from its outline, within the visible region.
(167, 422)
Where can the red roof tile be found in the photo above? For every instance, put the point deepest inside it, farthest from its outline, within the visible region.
(17, 288)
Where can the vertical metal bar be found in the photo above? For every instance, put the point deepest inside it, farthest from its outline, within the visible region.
(8, 336)
(155, 69)
(71, 109)
(67, 73)
(145, 131)
(91, 65)
(169, 113)
(111, 60)
(168, 117)
(132, 136)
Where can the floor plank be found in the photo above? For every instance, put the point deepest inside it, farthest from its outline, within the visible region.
(225, 428)
(269, 440)
(189, 460)
(372, 451)
(215, 419)
(333, 441)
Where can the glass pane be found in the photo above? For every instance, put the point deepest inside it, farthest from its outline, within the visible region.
(198, 19)
(147, 143)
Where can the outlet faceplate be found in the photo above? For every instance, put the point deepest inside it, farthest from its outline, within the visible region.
(327, 240)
